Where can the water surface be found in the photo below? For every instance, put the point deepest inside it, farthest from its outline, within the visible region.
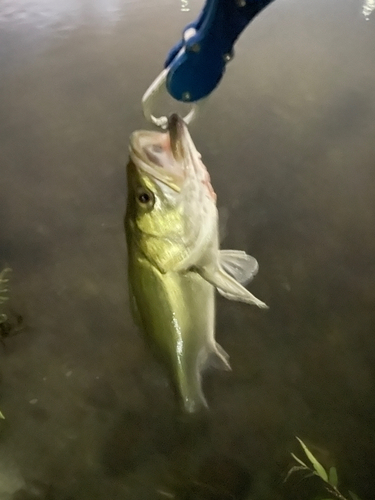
(288, 138)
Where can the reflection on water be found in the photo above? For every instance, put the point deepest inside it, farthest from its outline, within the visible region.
(368, 7)
(42, 14)
(288, 138)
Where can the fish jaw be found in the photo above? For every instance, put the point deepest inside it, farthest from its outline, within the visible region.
(150, 152)
(171, 157)
(183, 149)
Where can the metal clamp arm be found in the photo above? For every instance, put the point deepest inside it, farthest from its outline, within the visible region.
(197, 63)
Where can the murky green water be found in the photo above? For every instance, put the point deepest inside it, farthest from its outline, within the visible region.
(288, 138)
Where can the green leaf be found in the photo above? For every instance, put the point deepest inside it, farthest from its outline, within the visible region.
(299, 460)
(354, 496)
(332, 476)
(2, 416)
(317, 466)
(293, 469)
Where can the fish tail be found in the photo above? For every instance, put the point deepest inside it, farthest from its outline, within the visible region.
(191, 394)
(218, 358)
(190, 381)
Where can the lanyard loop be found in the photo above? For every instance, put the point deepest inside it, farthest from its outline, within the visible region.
(150, 96)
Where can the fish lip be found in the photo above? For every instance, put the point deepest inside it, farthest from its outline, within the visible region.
(135, 148)
(141, 161)
(177, 135)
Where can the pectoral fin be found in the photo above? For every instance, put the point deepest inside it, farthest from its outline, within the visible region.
(239, 265)
(229, 288)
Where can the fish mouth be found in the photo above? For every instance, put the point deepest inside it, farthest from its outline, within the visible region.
(163, 155)
(150, 153)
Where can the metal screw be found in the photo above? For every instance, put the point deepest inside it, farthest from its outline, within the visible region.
(188, 33)
(186, 96)
(195, 47)
(229, 56)
(241, 3)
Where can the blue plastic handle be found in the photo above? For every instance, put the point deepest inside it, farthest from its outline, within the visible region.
(195, 72)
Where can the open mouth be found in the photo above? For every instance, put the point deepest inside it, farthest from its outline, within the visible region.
(160, 148)
(160, 154)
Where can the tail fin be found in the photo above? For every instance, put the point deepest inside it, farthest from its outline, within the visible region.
(191, 393)
(190, 379)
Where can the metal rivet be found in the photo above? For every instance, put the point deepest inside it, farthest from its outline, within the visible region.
(229, 56)
(186, 96)
(195, 47)
(188, 33)
(240, 3)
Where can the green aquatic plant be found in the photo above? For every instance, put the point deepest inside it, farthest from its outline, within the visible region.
(5, 324)
(329, 477)
(10, 321)
(4, 292)
(4, 297)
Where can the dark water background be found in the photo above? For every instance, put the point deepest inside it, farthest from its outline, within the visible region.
(289, 139)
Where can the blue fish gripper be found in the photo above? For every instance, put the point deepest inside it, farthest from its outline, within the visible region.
(198, 61)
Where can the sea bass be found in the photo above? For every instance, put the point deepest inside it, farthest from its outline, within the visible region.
(174, 261)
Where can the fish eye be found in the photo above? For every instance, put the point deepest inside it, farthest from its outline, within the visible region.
(145, 197)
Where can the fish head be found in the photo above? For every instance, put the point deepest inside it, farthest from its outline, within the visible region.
(170, 198)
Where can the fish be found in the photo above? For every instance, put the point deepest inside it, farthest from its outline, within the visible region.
(174, 259)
